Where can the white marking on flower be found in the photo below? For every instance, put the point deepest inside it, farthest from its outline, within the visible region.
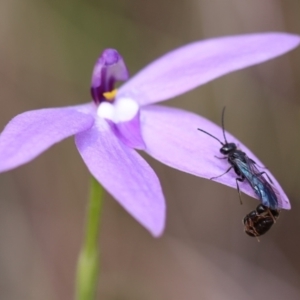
(122, 110)
(106, 111)
(125, 109)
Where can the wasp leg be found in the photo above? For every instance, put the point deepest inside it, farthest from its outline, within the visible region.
(222, 174)
(239, 179)
(225, 157)
(272, 216)
(259, 174)
(253, 161)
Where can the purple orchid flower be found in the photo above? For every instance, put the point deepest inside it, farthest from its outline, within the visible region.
(108, 129)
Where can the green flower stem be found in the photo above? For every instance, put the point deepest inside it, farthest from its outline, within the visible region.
(88, 262)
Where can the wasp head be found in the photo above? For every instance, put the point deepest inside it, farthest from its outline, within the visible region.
(228, 148)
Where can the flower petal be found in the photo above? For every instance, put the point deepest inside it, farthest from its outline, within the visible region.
(171, 136)
(200, 62)
(129, 132)
(30, 133)
(124, 174)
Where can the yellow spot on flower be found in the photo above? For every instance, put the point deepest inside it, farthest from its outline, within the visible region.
(109, 96)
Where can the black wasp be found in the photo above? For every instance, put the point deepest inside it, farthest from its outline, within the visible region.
(247, 169)
(259, 221)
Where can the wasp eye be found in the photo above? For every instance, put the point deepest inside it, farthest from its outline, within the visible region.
(224, 150)
(228, 148)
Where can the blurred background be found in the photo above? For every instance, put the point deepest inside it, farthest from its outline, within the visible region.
(47, 52)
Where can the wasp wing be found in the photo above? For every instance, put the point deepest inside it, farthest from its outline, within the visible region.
(267, 194)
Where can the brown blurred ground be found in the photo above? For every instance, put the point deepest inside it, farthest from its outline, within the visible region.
(47, 51)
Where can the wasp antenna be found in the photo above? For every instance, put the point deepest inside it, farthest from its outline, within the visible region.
(211, 136)
(223, 127)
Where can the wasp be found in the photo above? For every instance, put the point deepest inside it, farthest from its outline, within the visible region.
(246, 169)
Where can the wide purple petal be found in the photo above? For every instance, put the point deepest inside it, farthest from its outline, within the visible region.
(194, 64)
(30, 133)
(124, 174)
(171, 136)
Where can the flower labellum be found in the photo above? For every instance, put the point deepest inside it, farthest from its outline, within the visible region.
(108, 129)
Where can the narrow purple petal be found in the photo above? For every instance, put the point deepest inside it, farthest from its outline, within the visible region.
(200, 62)
(171, 136)
(30, 133)
(124, 174)
(129, 132)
